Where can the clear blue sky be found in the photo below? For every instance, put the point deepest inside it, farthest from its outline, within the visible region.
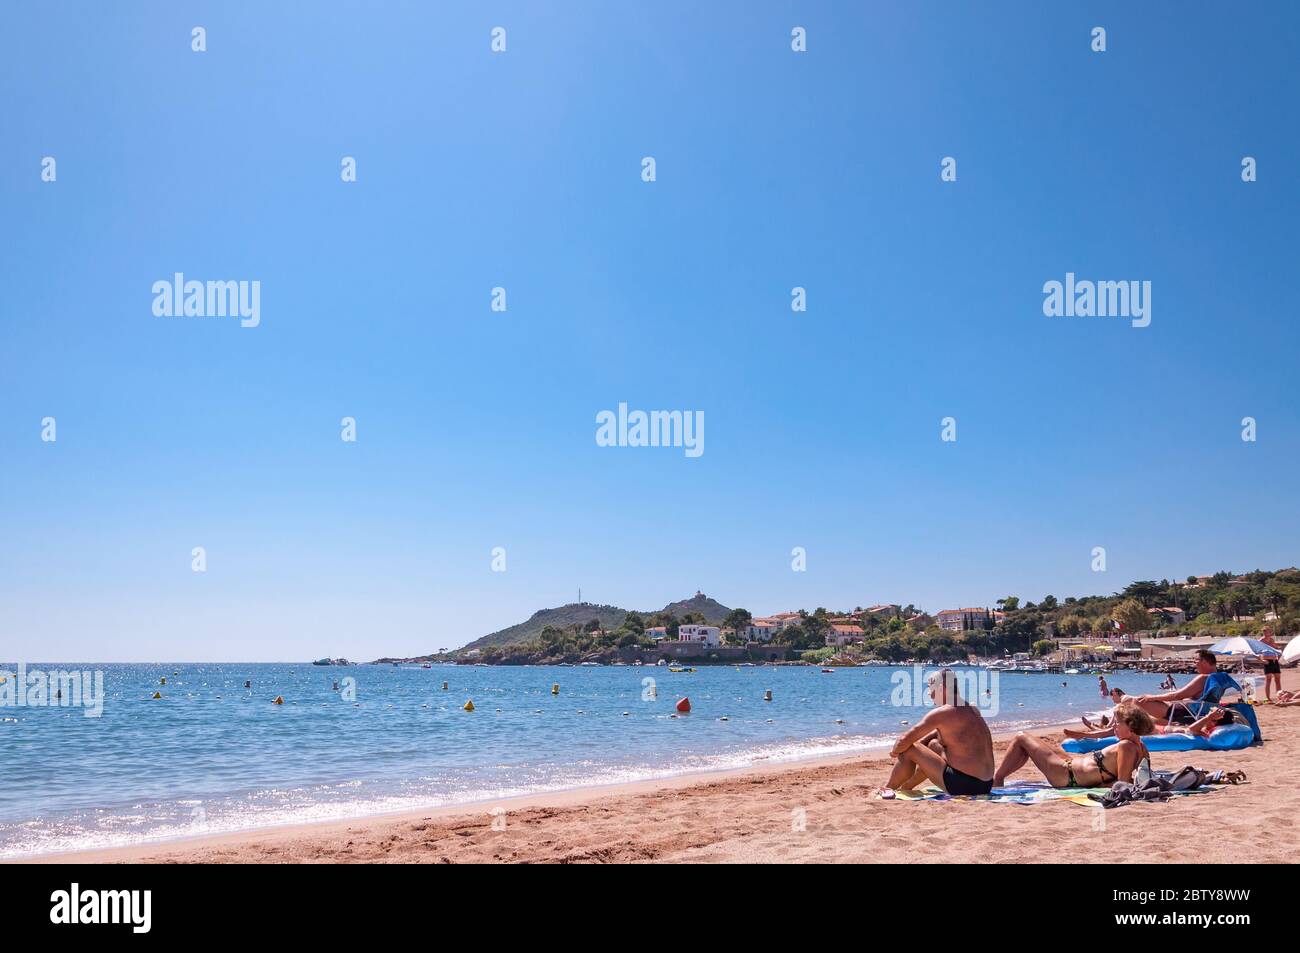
(476, 429)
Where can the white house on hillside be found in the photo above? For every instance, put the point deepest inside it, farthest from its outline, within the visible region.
(710, 635)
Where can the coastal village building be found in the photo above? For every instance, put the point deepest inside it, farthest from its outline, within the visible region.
(841, 635)
(781, 618)
(709, 635)
(657, 632)
(1171, 615)
(766, 628)
(762, 630)
(963, 620)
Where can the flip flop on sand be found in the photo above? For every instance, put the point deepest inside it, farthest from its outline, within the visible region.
(886, 794)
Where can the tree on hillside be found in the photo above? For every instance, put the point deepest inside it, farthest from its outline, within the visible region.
(1010, 603)
(1131, 616)
(1275, 596)
(738, 620)
(1144, 591)
(1017, 632)
(634, 623)
(816, 626)
(792, 635)
(1070, 626)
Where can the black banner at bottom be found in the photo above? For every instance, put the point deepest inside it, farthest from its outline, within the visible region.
(297, 902)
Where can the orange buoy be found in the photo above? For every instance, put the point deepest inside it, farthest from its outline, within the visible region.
(469, 706)
(684, 706)
(279, 700)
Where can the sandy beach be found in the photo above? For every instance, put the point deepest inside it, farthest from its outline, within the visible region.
(753, 816)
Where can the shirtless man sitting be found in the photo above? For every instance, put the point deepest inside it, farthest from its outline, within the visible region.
(1195, 699)
(951, 745)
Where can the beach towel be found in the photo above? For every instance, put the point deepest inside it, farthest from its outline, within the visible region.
(1022, 792)
(1169, 784)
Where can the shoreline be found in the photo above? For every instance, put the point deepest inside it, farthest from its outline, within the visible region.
(812, 811)
(743, 814)
(558, 798)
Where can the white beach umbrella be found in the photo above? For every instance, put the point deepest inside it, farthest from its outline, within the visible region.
(1244, 647)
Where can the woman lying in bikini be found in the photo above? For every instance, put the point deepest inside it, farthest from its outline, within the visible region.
(1101, 768)
(1217, 718)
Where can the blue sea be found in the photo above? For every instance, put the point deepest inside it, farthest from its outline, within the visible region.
(211, 756)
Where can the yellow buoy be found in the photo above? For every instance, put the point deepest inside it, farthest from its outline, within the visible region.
(469, 706)
(157, 694)
(555, 689)
(163, 680)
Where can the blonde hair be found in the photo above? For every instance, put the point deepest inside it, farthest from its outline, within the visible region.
(1135, 717)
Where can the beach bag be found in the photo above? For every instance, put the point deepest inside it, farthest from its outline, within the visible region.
(1188, 779)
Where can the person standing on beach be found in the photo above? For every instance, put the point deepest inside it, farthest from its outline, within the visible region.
(1272, 668)
(951, 745)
